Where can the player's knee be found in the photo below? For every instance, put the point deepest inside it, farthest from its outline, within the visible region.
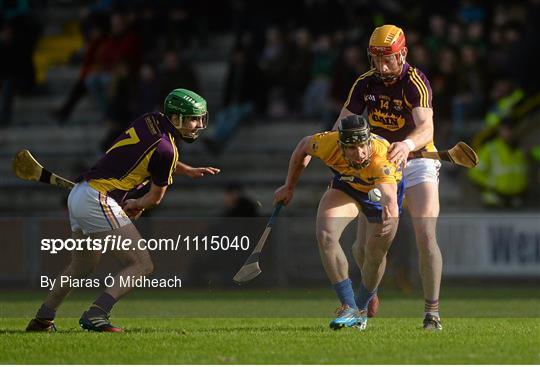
(146, 267)
(358, 248)
(375, 256)
(80, 272)
(327, 239)
(82, 269)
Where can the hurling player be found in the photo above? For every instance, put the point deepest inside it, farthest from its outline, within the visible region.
(359, 162)
(145, 153)
(397, 97)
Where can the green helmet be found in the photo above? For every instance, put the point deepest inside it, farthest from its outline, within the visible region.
(185, 103)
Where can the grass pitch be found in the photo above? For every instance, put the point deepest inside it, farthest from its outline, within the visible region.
(182, 327)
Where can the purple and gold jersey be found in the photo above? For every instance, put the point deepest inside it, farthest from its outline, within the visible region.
(325, 146)
(389, 108)
(145, 151)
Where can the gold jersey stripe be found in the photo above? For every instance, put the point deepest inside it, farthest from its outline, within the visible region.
(419, 88)
(175, 159)
(422, 88)
(415, 81)
(423, 84)
(363, 76)
(143, 156)
(137, 176)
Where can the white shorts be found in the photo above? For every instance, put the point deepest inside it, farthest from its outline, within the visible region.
(92, 212)
(421, 170)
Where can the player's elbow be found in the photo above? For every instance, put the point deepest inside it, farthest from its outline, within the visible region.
(154, 199)
(302, 147)
(301, 151)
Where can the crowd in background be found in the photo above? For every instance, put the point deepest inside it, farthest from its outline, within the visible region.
(295, 59)
(19, 34)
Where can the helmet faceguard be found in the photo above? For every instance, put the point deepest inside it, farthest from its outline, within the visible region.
(191, 111)
(354, 131)
(187, 132)
(387, 41)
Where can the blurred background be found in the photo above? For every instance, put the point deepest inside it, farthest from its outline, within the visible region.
(73, 74)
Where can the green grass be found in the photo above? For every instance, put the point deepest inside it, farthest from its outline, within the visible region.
(181, 327)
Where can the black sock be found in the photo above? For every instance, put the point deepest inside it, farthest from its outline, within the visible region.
(102, 305)
(45, 313)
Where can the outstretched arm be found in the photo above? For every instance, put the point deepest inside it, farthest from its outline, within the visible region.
(194, 172)
(299, 160)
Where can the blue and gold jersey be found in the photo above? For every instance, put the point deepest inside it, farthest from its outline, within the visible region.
(389, 107)
(325, 146)
(145, 151)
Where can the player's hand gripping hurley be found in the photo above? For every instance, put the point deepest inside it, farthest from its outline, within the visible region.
(251, 268)
(26, 167)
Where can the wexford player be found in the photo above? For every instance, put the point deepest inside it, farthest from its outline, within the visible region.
(145, 152)
(358, 160)
(397, 97)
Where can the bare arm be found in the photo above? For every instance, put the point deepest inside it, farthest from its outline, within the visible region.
(299, 160)
(149, 200)
(389, 198)
(194, 172)
(390, 210)
(423, 131)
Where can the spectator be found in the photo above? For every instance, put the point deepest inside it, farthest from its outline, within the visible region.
(421, 58)
(7, 70)
(274, 64)
(120, 98)
(437, 38)
(468, 103)
(298, 70)
(444, 83)
(19, 34)
(316, 97)
(243, 91)
(122, 46)
(175, 72)
(237, 204)
(148, 96)
(97, 35)
(502, 173)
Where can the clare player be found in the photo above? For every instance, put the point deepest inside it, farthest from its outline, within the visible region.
(397, 97)
(145, 153)
(359, 162)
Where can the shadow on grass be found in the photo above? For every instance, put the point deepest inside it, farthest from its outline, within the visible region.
(229, 329)
(31, 333)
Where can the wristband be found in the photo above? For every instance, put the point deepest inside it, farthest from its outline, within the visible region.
(410, 144)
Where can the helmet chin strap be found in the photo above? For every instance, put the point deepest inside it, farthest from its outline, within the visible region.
(188, 135)
(191, 136)
(188, 140)
(355, 165)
